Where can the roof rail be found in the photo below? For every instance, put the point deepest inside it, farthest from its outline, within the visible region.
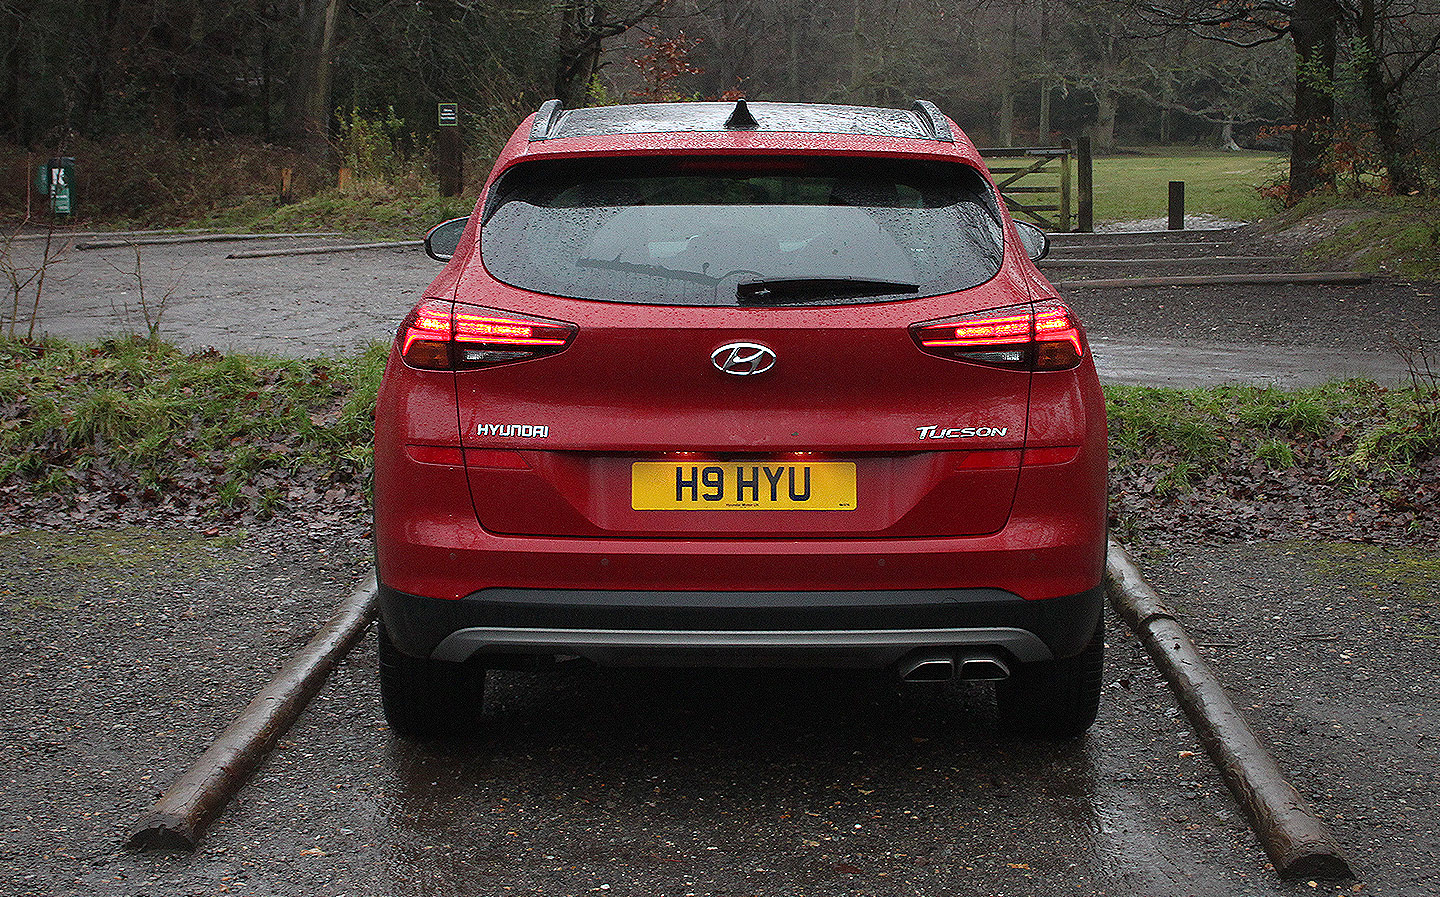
(933, 120)
(545, 119)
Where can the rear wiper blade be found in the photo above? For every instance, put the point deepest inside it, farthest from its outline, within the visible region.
(803, 289)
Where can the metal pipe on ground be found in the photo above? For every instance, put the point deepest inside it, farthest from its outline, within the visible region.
(178, 819)
(1298, 843)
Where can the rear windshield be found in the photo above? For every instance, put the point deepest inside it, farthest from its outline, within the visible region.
(751, 231)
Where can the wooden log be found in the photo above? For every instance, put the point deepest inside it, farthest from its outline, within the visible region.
(1295, 839)
(178, 819)
(1070, 262)
(321, 250)
(197, 238)
(1206, 280)
(1197, 246)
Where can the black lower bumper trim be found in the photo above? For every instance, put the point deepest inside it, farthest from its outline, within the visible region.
(418, 625)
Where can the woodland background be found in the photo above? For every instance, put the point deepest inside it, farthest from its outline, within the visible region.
(172, 101)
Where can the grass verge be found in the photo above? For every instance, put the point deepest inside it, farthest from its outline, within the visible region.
(1349, 459)
(367, 209)
(1371, 232)
(123, 428)
(137, 426)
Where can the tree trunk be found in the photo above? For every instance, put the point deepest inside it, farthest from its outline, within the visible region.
(1107, 102)
(1227, 136)
(579, 56)
(1394, 151)
(857, 57)
(1006, 128)
(1312, 27)
(1045, 89)
(307, 99)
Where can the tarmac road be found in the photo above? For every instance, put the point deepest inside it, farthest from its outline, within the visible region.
(334, 303)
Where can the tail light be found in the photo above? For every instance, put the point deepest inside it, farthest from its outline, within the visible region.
(440, 335)
(1040, 337)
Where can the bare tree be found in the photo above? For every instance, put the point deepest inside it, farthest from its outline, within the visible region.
(585, 25)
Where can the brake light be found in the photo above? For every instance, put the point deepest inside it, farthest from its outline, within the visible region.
(1040, 337)
(441, 335)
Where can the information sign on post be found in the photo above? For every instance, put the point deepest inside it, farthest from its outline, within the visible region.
(449, 161)
(56, 181)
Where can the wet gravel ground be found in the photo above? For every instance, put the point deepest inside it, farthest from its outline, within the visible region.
(317, 304)
(137, 647)
(1285, 335)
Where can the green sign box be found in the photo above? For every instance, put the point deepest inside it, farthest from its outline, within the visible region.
(55, 180)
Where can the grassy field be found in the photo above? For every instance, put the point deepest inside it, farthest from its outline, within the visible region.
(1136, 186)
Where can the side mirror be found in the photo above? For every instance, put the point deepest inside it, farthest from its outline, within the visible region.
(441, 242)
(1036, 243)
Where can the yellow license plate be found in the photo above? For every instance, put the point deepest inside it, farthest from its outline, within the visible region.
(742, 486)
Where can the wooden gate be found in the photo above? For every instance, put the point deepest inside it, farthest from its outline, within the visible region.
(1045, 197)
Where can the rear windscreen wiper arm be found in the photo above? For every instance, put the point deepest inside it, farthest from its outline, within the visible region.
(801, 289)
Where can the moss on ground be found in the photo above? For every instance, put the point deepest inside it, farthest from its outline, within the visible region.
(1384, 573)
(55, 558)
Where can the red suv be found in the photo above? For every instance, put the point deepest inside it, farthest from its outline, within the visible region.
(717, 384)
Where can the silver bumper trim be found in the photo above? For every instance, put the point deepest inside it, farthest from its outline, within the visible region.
(679, 647)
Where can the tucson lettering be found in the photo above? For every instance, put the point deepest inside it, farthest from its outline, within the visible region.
(960, 432)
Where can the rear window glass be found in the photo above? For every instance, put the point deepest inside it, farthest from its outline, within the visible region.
(732, 231)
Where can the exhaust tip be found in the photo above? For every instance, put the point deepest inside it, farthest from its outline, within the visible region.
(930, 668)
(983, 668)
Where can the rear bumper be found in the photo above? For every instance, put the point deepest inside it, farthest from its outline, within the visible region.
(668, 628)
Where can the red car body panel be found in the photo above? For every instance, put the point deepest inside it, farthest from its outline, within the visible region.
(484, 504)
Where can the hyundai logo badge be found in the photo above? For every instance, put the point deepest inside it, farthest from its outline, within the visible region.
(743, 359)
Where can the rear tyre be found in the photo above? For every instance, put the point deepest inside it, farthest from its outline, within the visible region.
(1057, 698)
(424, 698)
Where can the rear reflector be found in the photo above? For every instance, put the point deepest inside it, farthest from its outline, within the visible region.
(1060, 454)
(1040, 337)
(440, 335)
(435, 454)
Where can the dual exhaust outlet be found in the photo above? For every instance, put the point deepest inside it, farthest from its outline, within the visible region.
(942, 666)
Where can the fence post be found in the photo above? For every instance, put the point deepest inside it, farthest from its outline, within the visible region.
(1084, 171)
(1177, 205)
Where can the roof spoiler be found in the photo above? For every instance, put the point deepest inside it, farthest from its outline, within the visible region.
(546, 119)
(933, 120)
